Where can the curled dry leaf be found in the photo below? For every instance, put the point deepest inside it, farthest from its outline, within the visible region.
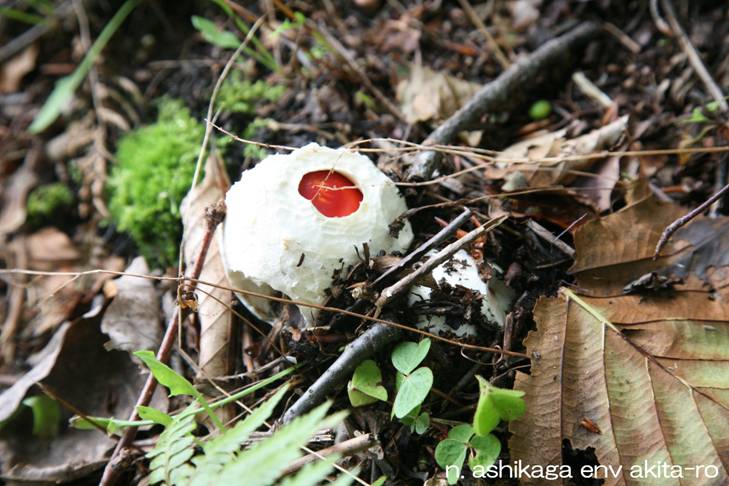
(213, 312)
(594, 190)
(429, 95)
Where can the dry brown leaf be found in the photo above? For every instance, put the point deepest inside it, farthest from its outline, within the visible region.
(618, 249)
(132, 320)
(429, 95)
(15, 69)
(75, 365)
(651, 373)
(594, 189)
(214, 315)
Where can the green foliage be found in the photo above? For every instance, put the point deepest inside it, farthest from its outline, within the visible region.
(66, 86)
(174, 462)
(540, 110)
(408, 355)
(494, 404)
(46, 415)
(215, 35)
(174, 382)
(48, 202)
(153, 173)
(365, 387)
(413, 385)
(174, 448)
(461, 440)
(114, 425)
(240, 95)
(699, 114)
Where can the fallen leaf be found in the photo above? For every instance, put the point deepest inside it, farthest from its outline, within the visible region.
(75, 365)
(132, 320)
(564, 165)
(427, 95)
(15, 69)
(651, 373)
(215, 317)
(618, 249)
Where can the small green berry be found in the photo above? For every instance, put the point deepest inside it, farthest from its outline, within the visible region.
(540, 110)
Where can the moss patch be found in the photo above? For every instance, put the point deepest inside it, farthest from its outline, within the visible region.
(154, 169)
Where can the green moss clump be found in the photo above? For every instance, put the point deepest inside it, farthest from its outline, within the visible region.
(238, 95)
(49, 202)
(154, 169)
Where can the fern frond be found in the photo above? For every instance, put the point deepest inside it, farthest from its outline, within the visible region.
(219, 451)
(314, 473)
(263, 463)
(173, 450)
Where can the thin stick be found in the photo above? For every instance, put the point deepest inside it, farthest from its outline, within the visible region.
(693, 57)
(500, 93)
(335, 377)
(673, 227)
(394, 290)
(344, 448)
(213, 216)
(476, 20)
(416, 254)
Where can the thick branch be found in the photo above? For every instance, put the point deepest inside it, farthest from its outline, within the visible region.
(500, 93)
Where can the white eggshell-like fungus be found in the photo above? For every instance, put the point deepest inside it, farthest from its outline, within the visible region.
(276, 240)
(462, 271)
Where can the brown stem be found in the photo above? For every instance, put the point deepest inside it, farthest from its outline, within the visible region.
(213, 217)
(344, 448)
(673, 227)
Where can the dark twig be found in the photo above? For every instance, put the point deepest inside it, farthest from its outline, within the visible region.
(403, 284)
(367, 344)
(213, 216)
(673, 227)
(379, 335)
(693, 57)
(500, 93)
(417, 253)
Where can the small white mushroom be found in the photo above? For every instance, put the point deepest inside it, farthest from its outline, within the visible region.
(295, 220)
(462, 271)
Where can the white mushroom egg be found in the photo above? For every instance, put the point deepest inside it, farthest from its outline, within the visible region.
(295, 220)
(462, 271)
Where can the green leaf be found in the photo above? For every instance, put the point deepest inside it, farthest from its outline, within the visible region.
(496, 404)
(408, 355)
(113, 425)
(65, 87)
(166, 376)
(46, 415)
(509, 403)
(451, 453)
(357, 398)
(422, 423)
(461, 433)
(413, 390)
(156, 416)
(215, 35)
(487, 451)
(380, 481)
(312, 474)
(365, 387)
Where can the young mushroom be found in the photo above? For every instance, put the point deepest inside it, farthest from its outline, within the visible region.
(296, 220)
